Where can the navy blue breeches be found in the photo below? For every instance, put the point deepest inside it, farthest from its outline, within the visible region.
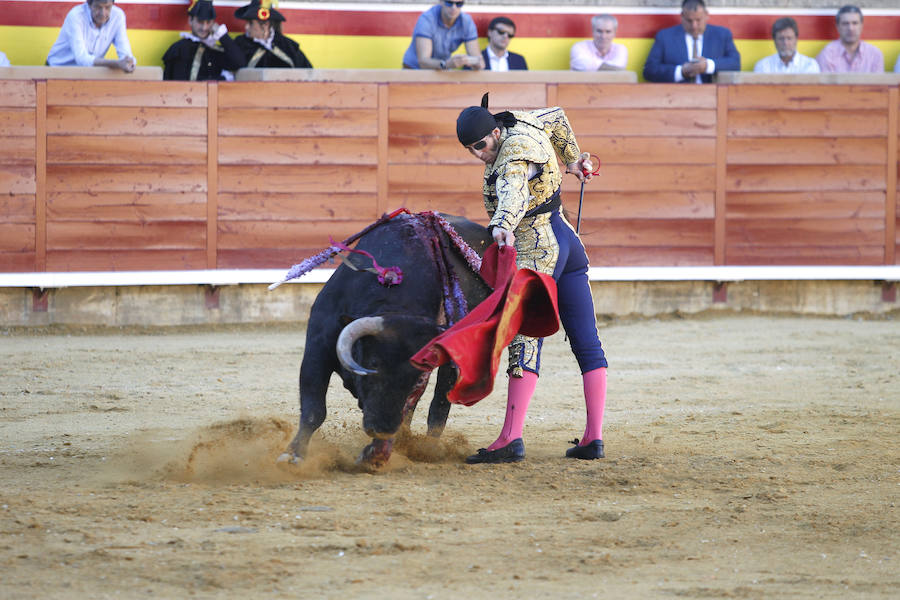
(576, 306)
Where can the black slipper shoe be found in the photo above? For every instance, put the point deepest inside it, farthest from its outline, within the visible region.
(587, 452)
(512, 452)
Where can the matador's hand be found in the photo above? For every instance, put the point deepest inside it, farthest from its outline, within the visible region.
(582, 168)
(503, 237)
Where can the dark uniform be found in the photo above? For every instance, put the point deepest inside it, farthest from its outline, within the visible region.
(188, 60)
(285, 53)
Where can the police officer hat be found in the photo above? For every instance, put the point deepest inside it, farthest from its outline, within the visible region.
(203, 10)
(259, 11)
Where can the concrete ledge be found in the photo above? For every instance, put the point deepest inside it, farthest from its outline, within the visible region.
(747, 273)
(38, 72)
(215, 277)
(743, 77)
(431, 76)
(170, 305)
(220, 277)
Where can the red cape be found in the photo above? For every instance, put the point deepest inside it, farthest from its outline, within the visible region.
(524, 301)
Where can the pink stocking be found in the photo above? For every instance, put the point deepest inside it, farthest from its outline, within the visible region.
(595, 403)
(518, 396)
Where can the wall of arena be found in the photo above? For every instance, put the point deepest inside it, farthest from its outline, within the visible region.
(113, 175)
(254, 174)
(375, 35)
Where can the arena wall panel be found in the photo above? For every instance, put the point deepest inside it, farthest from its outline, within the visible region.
(258, 175)
(805, 163)
(18, 175)
(125, 175)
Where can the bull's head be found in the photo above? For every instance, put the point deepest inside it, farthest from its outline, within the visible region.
(375, 351)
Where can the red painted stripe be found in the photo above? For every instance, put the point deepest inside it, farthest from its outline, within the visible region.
(353, 22)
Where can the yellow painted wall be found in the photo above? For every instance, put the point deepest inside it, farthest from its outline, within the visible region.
(30, 45)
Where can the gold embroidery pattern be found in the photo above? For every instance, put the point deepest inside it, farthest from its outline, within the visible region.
(523, 352)
(509, 194)
(557, 127)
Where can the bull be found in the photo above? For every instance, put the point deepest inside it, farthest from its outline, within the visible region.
(366, 331)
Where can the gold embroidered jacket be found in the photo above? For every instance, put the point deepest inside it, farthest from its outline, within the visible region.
(526, 173)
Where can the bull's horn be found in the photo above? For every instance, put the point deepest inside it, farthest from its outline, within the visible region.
(353, 331)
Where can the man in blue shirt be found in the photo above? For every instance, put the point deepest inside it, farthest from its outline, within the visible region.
(439, 31)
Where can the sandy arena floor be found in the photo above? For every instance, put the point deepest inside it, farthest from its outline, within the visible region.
(748, 457)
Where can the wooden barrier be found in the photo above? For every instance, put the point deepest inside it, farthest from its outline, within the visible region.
(116, 175)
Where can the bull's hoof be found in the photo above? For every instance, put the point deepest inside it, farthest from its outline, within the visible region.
(288, 457)
(376, 454)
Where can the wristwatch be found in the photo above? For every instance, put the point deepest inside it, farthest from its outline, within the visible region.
(443, 65)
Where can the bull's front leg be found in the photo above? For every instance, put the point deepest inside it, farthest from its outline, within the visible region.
(440, 406)
(314, 377)
(412, 400)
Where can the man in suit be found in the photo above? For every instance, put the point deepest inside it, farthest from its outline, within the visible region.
(693, 51)
(496, 56)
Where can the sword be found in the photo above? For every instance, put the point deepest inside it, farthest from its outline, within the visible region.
(585, 172)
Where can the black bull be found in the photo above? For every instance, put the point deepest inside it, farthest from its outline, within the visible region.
(367, 332)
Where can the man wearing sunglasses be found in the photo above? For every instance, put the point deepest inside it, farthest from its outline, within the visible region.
(439, 31)
(522, 196)
(496, 56)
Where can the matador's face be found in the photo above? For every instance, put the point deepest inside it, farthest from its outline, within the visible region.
(487, 148)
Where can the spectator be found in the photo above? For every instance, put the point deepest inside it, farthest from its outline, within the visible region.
(207, 52)
(785, 33)
(86, 35)
(439, 31)
(848, 53)
(4, 62)
(692, 51)
(601, 53)
(263, 45)
(496, 56)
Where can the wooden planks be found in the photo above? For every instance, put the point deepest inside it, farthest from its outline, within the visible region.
(126, 175)
(653, 142)
(653, 202)
(18, 175)
(806, 176)
(169, 175)
(133, 94)
(297, 161)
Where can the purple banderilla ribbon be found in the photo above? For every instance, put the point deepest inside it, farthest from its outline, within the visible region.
(314, 261)
(387, 276)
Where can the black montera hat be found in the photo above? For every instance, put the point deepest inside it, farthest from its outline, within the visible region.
(202, 9)
(476, 122)
(259, 11)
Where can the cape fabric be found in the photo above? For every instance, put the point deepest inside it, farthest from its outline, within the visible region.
(523, 301)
